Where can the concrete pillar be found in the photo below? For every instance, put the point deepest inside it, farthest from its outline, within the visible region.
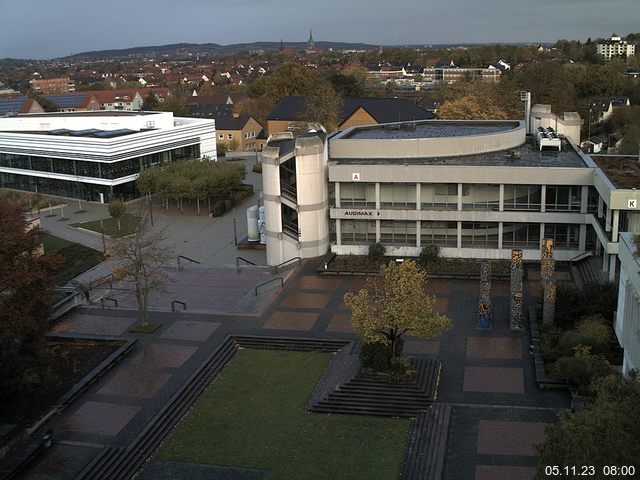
(607, 227)
(378, 231)
(378, 198)
(459, 235)
(616, 223)
(500, 230)
(541, 234)
(459, 196)
(582, 238)
(418, 196)
(338, 232)
(600, 204)
(418, 239)
(605, 262)
(584, 199)
(543, 198)
(612, 267)
(501, 203)
(336, 191)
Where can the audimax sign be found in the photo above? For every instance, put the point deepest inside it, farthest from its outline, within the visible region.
(361, 213)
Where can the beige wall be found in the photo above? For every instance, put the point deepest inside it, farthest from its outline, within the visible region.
(275, 126)
(359, 117)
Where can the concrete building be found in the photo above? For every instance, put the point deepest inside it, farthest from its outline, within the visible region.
(95, 155)
(615, 47)
(477, 189)
(627, 321)
(52, 86)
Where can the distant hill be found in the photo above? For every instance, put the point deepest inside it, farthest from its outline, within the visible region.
(209, 48)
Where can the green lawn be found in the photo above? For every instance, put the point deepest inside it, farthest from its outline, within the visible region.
(77, 258)
(253, 416)
(128, 225)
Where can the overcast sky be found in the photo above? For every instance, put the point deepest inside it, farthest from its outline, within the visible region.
(54, 28)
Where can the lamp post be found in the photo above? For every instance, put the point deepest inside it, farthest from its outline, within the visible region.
(589, 123)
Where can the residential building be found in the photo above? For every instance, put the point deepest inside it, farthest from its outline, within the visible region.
(627, 320)
(452, 74)
(123, 99)
(52, 86)
(615, 47)
(238, 132)
(477, 189)
(601, 108)
(95, 155)
(74, 102)
(13, 106)
(355, 111)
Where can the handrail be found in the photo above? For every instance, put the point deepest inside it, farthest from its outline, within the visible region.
(244, 260)
(582, 256)
(268, 282)
(187, 258)
(294, 259)
(99, 281)
(115, 301)
(173, 305)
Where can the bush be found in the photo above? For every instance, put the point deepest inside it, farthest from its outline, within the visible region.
(594, 298)
(429, 256)
(581, 369)
(377, 251)
(11, 365)
(400, 371)
(218, 208)
(377, 355)
(595, 326)
(573, 338)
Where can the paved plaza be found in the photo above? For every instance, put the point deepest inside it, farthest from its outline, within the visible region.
(497, 413)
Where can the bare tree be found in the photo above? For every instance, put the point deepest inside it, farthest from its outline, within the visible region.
(138, 261)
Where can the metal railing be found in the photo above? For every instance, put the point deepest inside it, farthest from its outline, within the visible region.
(115, 301)
(98, 282)
(582, 256)
(267, 283)
(291, 260)
(186, 258)
(173, 305)
(249, 262)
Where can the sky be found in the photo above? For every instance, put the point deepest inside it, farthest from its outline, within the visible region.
(44, 29)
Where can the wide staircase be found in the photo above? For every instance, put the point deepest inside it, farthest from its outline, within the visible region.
(590, 270)
(370, 393)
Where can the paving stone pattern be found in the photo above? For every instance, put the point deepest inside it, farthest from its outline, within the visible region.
(487, 377)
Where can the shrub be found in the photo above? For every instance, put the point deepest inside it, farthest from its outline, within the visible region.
(595, 326)
(400, 371)
(257, 167)
(218, 208)
(429, 256)
(581, 369)
(377, 355)
(573, 338)
(377, 251)
(11, 365)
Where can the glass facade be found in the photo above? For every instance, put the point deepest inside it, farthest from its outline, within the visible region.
(398, 232)
(522, 197)
(357, 232)
(521, 235)
(480, 196)
(561, 198)
(358, 195)
(439, 196)
(443, 234)
(480, 235)
(565, 237)
(398, 195)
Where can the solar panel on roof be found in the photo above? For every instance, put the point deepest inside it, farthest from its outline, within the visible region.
(59, 131)
(84, 133)
(11, 105)
(66, 101)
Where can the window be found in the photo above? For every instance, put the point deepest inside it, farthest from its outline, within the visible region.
(443, 234)
(522, 197)
(229, 136)
(564, 236)
(221, 136)
(398, 232)
(480, 197)
(480, 235)
(398, 195)
(563, 198)
(354, 232)
(439, 196)
(361, 195)
(521, 235)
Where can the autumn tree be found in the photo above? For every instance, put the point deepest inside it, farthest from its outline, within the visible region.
(395, 304)
(150, 102)
(606, 432)
(470, 108)
(117, 209)
(138, 261)
(26, 284)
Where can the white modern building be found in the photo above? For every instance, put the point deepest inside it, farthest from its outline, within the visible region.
(615, 47)
(627, 321)
(477, 189)
(95, 155)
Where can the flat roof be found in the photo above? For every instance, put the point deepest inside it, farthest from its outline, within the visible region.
(429, 129)
(91, 113)
(623, 171)
(526, 155)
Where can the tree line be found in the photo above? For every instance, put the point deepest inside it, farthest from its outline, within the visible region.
(199, 180)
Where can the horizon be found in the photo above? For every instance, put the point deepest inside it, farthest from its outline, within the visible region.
(123, 25)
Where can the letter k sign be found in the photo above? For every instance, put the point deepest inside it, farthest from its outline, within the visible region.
(632, 204)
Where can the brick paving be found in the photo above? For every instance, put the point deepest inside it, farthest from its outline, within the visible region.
(92, 417)
(487, 376)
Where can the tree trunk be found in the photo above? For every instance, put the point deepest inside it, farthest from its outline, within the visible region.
(198, 200)
(119, 224)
